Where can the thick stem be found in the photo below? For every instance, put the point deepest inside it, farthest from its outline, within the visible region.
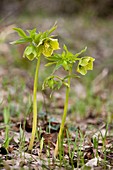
(34, 124)
(64, 117)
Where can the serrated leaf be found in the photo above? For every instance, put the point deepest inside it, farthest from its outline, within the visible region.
(20, 32)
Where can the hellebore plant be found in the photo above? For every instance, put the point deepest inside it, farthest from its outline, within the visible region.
(66, 60)
(42, 43)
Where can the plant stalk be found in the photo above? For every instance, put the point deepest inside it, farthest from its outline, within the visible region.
(58, 144)
(34, 124)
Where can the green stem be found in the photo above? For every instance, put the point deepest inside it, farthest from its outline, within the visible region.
(64, 116)
(34, 124)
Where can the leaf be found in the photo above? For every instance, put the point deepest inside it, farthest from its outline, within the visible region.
(32, 33)
(49, 64)
(66, 84)
(58, 65)
(54, 43)
(82, 51)
(21, 41)
(37, 38)
(72, 76)
(65, 48)
(41, 145)
(55, 57)
(59, 84)
(53, 28)
(20, 32)
(65, 65)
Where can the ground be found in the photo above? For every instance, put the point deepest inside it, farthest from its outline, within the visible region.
(88, 142)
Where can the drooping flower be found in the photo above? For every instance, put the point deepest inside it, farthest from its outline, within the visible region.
(30, 52)
(85, 63)
(48, 46)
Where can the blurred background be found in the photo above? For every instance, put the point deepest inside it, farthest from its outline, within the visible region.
(80, 23)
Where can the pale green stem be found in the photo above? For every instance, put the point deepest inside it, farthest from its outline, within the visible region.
(34, 124)
(64, 117)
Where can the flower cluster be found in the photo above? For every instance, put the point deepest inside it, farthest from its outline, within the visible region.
(39, 43)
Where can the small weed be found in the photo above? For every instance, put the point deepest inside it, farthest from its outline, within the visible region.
(7, 127)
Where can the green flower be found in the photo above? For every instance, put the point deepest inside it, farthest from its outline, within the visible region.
(85, 63)
(47, 47)
(30, 52)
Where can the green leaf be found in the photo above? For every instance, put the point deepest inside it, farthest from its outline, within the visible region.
(82, 51)
(32, 33)
(21, 41)
(72, 76)
(49, 64)
(65, 48)
(37, 38)
(68, 53)
(66, 84)
(58, 65)
(20, 32)
(59, 85)
(65, 65)
(53, 28)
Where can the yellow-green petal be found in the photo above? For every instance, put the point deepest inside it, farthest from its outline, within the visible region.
(30, 52)
(54, 44)
(47, 52)
(39, 51)
(81, 69)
